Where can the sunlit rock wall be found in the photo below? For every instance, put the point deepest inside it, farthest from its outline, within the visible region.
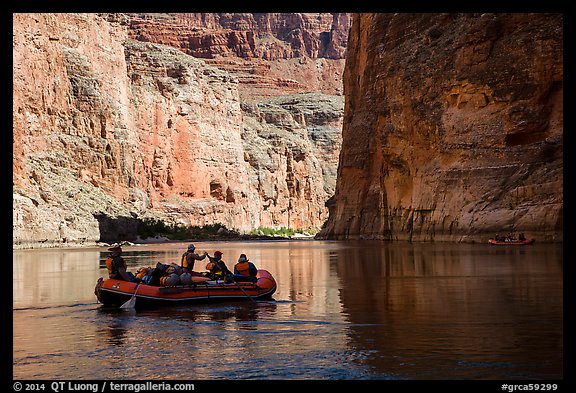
(108, 131)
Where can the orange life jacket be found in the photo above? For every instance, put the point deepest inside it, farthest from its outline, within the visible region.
(184, 261)
(215, 270)
(243, 268)
(112, 270)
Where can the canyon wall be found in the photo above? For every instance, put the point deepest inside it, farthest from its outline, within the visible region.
(110, 130)
(453, 128)
(270, 53)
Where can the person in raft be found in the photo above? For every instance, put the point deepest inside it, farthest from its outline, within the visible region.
(189, 257)
(245, 270)
(116, 265)
(217, 267)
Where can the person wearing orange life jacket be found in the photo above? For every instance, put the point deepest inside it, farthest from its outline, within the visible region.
(189, 257)
(245, 270)
(217, 267)
(116, 265)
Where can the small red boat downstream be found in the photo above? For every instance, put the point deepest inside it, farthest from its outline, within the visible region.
(113, 292)
(511, 242)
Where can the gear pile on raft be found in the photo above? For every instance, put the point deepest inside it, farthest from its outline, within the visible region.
(176, 284)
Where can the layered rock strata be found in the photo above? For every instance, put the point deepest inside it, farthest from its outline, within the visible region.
(453, 128)
(108, 131)
(270, 53)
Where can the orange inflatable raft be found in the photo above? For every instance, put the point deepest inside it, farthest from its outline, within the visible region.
(115, 292)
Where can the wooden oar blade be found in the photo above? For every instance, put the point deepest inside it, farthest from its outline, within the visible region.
(131, 303)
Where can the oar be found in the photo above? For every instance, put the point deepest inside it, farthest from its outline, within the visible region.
(131, 303)
(232, 278)
(242, 289)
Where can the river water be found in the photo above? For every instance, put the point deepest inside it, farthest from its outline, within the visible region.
(343, 310)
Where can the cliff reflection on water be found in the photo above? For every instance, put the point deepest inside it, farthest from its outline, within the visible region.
(342, 310)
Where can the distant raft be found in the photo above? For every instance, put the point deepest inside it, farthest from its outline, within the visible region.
(114, 292)
(511, 242)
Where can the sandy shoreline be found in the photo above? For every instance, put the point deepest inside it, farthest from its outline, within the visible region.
(155, 240)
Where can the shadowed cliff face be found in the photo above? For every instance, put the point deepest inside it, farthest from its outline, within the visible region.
(453, 128)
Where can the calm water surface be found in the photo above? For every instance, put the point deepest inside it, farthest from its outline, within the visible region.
(342, 310)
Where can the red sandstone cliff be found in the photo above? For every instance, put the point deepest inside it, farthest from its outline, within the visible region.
(108, 131)
(453, 128)
(270, 53)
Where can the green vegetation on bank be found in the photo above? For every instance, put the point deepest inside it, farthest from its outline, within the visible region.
(282, 231)
(150, 227)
